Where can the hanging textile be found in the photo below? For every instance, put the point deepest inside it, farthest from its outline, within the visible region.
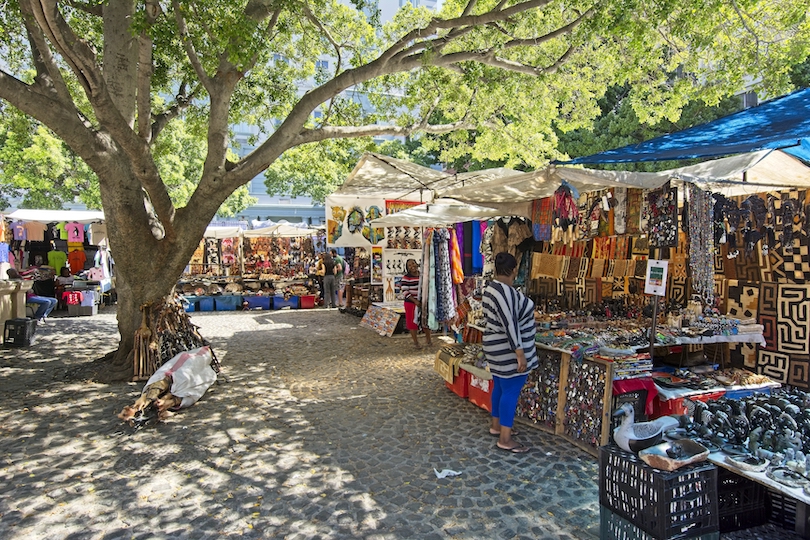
(701, 238)
(542, 216)
(467, 253)
(663, 216)
(455, 258)
(488, 270)
(479, 227)
(565, 214)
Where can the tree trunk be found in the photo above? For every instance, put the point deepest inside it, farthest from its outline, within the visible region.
(146, 269)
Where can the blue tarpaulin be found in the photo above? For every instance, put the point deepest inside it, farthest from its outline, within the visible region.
(782, 123)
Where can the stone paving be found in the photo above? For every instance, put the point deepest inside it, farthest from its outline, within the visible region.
(316, 428)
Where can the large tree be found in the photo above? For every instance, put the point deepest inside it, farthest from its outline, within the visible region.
(108, 78)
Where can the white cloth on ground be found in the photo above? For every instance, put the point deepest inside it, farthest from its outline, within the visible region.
(191, 374)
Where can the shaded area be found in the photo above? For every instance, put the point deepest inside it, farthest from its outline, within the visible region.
(316, 429)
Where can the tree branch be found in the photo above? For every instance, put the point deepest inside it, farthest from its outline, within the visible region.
(87, 8)
(191, 53)
(497, 14)
(48, 78)
(76, 52)
(182, 100)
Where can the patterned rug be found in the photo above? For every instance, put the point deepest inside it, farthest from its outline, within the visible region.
(635, 203)
(793, 319)
(742, 302)
(766, 313)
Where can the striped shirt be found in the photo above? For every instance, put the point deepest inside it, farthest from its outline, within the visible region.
(509, 324)
(409, 287)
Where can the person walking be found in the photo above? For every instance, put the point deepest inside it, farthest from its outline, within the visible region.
(340, 276)
(409, 287)
(509, 348)
(328, 281)
(45, 304)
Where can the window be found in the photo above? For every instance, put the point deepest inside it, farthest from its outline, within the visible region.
(322, 64)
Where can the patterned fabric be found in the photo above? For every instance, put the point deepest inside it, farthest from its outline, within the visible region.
(446, 305)
(574, 265)
(678, 289)
(457, 273)
(622, 250)
(793, 319)
(767, 311)
(640, 269)
(541, 219)
(593, 291)
(597, 268)
(607, 287)
(620, 210)
(742, 301)
(487, 252)
(635, 203)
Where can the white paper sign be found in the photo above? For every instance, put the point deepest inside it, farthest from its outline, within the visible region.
(656, 281)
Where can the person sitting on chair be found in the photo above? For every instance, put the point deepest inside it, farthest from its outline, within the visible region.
(45, 304)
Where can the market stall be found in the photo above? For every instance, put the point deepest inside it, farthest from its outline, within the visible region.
(265, 268)
(41, 243)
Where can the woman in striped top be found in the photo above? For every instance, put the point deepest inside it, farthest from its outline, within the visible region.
(409, 286)
(509, 348)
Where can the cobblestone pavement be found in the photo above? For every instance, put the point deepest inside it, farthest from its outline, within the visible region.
(316, 428)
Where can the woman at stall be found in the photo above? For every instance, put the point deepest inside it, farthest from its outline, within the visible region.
(329, 298)
(509, 347)
(409, 287)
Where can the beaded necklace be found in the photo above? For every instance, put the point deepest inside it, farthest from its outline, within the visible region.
(701, 247)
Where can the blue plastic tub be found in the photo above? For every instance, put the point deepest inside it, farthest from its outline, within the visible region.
(206, 303)
(258, 302)
(280, 303)
(228, 302)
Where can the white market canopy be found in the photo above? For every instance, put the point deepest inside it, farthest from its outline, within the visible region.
(279, 230)
(222, 232)
(438, 213)
(56, 216)
(743, 174)
(376, 175)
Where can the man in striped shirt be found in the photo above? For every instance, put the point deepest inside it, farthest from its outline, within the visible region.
(509, 348)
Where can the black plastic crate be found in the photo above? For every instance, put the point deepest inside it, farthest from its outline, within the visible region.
(667, 505)
(740, 501)
(614, 527)
(637, 398)
(781, 509)
(19, 332)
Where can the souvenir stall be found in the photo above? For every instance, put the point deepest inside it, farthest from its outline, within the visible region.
(589, 272)
(378, 189)
(251, 269)
(40, 243)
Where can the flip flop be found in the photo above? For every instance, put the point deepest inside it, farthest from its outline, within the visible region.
(515, 433)
(417, 346)
(519, 449)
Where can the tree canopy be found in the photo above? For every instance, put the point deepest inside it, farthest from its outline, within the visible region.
(112, 81)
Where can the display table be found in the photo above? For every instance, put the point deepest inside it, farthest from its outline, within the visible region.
(671, 400)
(802, 527)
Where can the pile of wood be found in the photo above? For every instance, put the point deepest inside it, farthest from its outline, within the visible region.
(165, 331)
